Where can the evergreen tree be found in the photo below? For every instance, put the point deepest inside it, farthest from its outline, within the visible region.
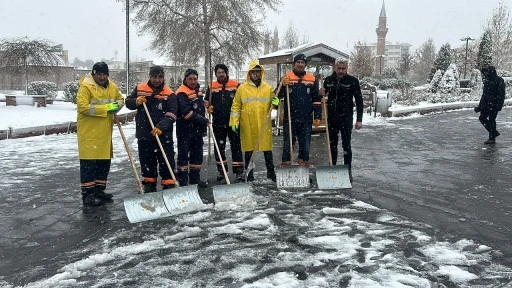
(443, 59)
(484, 56)
(436, 78)
(450, 81)
(361, 61)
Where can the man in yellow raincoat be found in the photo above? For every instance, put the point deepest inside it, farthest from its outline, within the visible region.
(98, 99)
(252, 103)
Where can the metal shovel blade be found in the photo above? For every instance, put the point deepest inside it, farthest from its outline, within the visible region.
(333, 177)
(292, 177)
(145, 207)
(183, 200)
(225, 193)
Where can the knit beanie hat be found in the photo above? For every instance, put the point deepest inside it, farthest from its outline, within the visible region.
(299, 57)
(189, 72)
(156, 71)
(100, 67)
(221, 66)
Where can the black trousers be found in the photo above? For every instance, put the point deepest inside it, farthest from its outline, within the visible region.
(269, 160)
(221, 133)
(488, 120)
(190, 158)
(151, 157)
(344, 127)
(93, 174)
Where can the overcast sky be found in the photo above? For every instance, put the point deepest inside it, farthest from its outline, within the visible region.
(95, 29)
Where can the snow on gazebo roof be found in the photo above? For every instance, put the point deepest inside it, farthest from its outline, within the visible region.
(315, 52)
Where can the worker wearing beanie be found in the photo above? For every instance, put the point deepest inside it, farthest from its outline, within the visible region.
(162, 105)
(98, 99)
(305, 104)
(190, 128)
(220, 96)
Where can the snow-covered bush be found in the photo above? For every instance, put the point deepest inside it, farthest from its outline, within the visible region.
(475, 78)
(390, 72)
(43, 88)
(504, 73)
(449, 83)
(434, 84)
(70, 91)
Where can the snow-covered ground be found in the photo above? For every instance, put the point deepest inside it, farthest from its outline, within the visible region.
(276, 238)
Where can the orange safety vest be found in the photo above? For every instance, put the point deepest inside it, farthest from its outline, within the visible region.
(307, 79)
(191, 93)
(143, 89)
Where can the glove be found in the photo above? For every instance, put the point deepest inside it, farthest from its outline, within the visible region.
(286, 80)
(140, 100)
(112, 107)
(477, 109)
(234, 128)
(156, 132)
(275, 101)
(210, 109)
(316, 122)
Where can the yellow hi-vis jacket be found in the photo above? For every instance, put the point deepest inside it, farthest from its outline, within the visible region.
(250, 109)
(94, 123)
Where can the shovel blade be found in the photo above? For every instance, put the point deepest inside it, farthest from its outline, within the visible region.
(292, 177)
(333, 177)
(225, 193)
(145, 207)
(183, 200)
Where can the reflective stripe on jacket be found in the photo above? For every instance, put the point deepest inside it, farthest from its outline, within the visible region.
(249, 110)
(94, 123)
(221, 99)
(304, 98)
(162, 106)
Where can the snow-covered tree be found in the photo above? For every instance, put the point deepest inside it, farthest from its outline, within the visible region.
(500, 29)
(434, 83)
(424, 61)
(291, 37)
(43, 88)
(484, 56)
(390, 72)
(443, 59)
(70, 91)
(449, 83)
(475, 78)
(361, 61)
(187, 31)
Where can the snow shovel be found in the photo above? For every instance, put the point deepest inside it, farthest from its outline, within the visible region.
(229, 191)
(332, 176)
(177, 200)
(293, 176)
(251, 164)
(141, 208)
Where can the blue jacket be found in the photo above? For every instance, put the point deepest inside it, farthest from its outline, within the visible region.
(304, 99)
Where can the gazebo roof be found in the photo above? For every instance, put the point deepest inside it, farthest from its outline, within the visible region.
(316, 53)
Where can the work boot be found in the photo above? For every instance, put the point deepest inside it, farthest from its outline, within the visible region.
(88, 199)
(201, 184)
(149, 187)
(490, 141)
(240, 177)
(271, 175)
(103, 195)
(221, 179)
(285, 163)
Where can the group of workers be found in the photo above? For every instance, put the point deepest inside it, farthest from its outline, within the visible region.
(239, 113)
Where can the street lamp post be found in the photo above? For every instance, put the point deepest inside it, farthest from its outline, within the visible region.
(466, 58)
(127, 47)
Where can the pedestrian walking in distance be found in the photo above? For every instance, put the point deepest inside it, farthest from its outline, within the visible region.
(492, 100)
(162, 105)
(98, 99)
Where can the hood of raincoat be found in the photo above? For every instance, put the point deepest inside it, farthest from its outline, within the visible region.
(253, 64)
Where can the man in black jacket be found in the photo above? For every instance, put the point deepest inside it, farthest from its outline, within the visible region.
(492, 100)
(162, 105)
(220, 96)
(342, 89)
